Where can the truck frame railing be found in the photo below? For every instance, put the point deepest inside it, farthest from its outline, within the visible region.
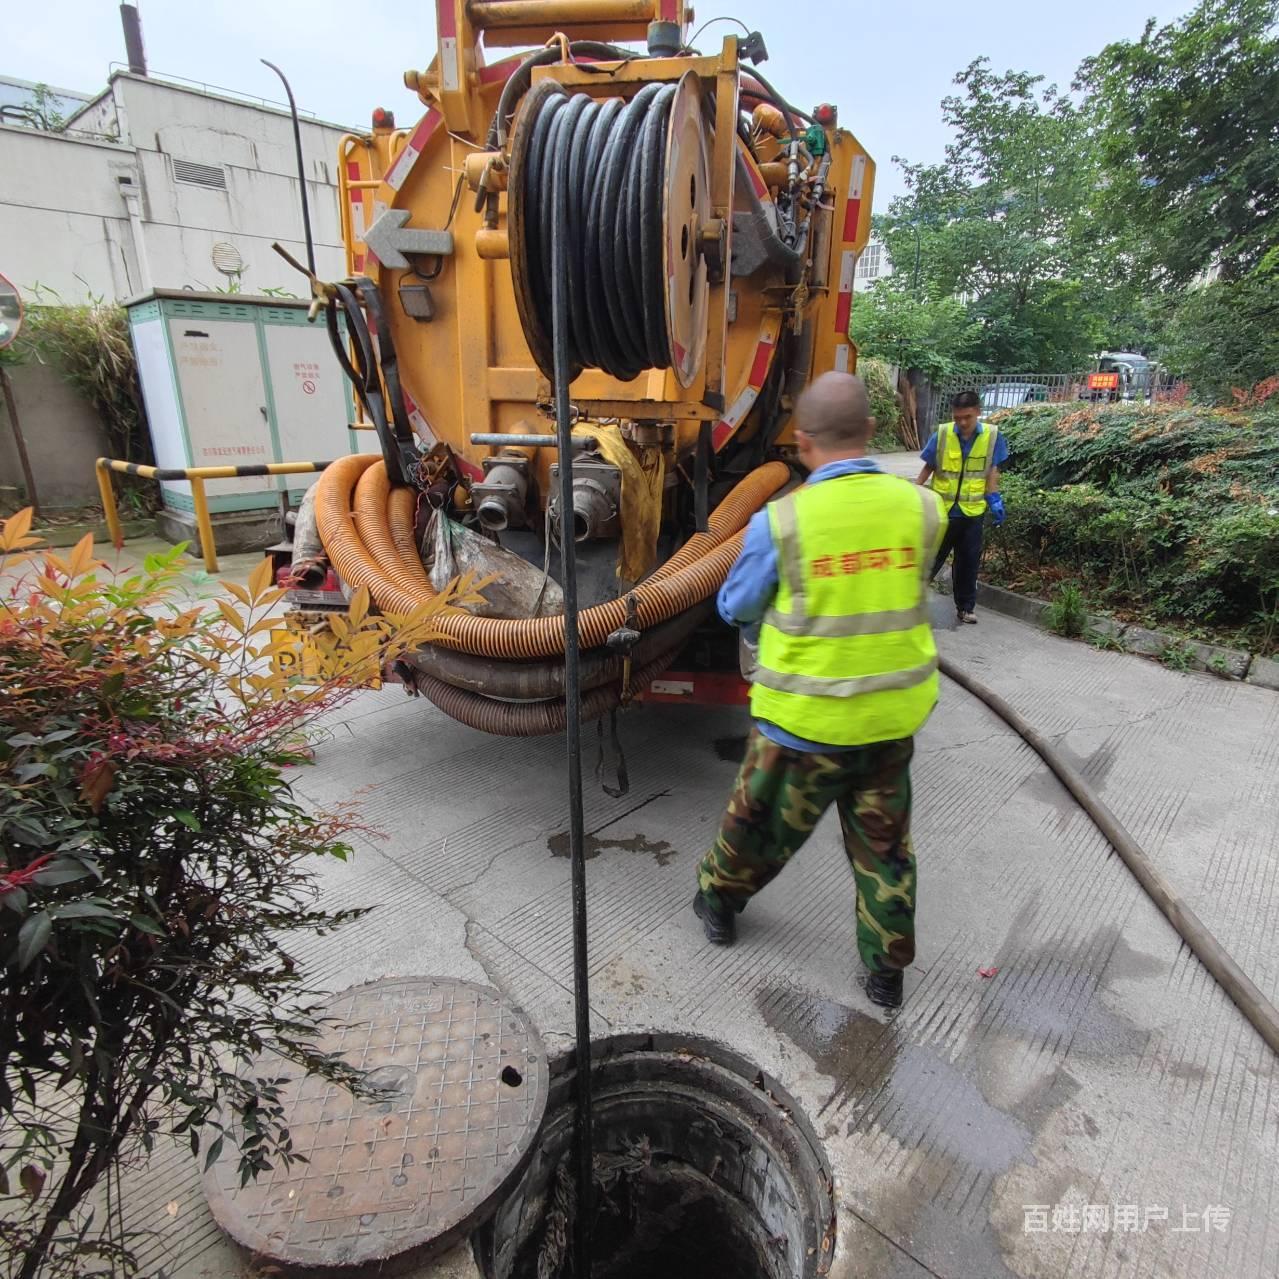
(196, 477)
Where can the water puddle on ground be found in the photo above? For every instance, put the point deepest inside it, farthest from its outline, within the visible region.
(658, 849)
(844, 1043)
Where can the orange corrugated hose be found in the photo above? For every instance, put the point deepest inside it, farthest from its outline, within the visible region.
(401, 511)
(372, 524)
(696, 572)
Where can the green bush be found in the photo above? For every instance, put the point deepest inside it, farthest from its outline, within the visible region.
(155, 869)
(885, 407)
(90, 342)
(1222, 337)
(1170, 511)
(1067, 614)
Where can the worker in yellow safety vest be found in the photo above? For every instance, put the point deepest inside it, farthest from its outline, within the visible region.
(962, 462)
(835, 576)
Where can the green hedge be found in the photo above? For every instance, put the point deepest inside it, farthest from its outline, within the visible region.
(1168, 510)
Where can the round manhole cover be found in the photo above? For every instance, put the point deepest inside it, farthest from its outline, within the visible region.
(464, 1083)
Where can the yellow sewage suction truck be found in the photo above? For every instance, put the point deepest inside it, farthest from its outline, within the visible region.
(708, 232)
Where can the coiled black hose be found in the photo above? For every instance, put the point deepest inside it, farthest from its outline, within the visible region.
(615, 154)
(517, 84)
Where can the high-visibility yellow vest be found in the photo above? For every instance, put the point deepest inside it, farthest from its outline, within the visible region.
(846, 653)
(957, 476)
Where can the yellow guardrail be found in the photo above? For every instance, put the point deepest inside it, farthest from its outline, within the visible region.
(195, 476)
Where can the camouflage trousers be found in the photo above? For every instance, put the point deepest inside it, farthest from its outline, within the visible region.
(779, 797)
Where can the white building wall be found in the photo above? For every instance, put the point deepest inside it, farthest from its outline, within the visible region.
(64, 221)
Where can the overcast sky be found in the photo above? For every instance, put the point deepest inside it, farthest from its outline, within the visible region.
(886, 65)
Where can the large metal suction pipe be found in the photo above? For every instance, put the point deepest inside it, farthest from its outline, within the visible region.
(503, 497)
(594, 513)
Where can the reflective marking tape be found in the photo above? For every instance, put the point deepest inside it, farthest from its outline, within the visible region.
(759, 370)
(843, 309)
(680, 687)
(451, 79)
(736, 412)
(407, 158)
(844, 302)
(842, 357)
(356, 198)
(446, 25)
(853, 209)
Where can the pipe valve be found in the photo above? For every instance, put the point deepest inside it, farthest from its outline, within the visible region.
(597, 499)
(501, 497)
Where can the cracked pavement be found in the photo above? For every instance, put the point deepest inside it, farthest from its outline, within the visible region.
(968, 1133)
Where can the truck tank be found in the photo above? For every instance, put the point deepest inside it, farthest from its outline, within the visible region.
(711, 235)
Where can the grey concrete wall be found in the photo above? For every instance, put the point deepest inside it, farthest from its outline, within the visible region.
(63, 432)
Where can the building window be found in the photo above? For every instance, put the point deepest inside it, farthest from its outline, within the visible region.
(869, 262)
(210, 176)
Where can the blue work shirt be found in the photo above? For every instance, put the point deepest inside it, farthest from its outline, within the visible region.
(750, 586)
(929, 455)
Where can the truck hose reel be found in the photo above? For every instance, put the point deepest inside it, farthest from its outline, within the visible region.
(637, 215)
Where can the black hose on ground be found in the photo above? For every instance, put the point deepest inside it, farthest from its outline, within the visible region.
(1207, 949)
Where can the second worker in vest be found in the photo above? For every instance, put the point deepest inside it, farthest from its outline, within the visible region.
(835, 574)
(962, 460)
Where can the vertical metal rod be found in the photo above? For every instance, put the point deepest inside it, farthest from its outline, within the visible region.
(111, 512)
(205, 525)
(20, 442)
(297, 147)
(573, 727)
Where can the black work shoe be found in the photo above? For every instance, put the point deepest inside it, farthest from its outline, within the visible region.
(720, 925)
(885, 988)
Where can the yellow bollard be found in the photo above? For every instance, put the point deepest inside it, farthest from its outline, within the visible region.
(106, 490)
(204, 525)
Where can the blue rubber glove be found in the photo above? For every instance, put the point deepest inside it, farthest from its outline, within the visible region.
(996, 504)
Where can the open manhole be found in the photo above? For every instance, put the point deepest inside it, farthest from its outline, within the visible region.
(704, 1167)
(462, 1081)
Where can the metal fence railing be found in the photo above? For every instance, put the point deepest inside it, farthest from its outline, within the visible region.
(196, 476)
(1011, 390)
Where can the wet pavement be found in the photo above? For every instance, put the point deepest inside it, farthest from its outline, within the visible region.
(1096, 1108)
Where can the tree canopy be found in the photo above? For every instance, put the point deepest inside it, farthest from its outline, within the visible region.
(1187, 125)
(1135, 212)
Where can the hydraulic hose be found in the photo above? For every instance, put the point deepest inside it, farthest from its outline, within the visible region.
(693, 574)
(518, 82)
(615, 152)
(1250, 1001)
(529, 719)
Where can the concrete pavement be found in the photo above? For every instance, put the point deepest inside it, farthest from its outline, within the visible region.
(981, 1131)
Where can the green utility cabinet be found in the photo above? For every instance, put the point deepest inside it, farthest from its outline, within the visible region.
(232, 380)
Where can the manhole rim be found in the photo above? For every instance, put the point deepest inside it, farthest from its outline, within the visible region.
(747, 1082)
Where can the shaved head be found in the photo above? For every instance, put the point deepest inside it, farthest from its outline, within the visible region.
(834, 411)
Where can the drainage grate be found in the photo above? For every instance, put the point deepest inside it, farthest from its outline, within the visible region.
(414, 1172)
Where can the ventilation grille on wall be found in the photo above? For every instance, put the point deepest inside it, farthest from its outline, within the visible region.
(210, 176)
